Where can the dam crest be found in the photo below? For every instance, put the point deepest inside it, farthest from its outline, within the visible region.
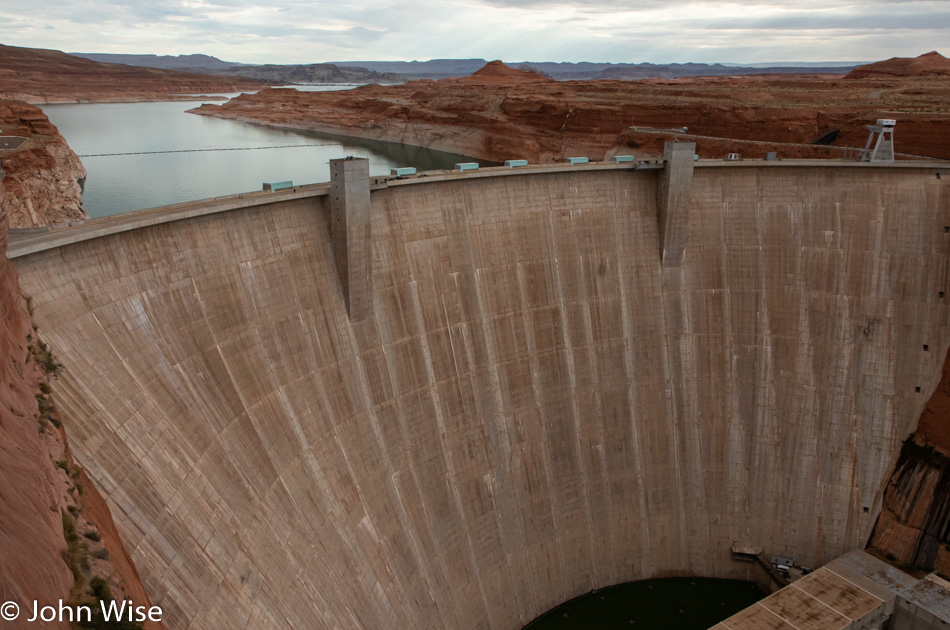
(534, 402)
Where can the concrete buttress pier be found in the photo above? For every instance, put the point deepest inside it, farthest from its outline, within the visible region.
(674, 200)
(351, 233)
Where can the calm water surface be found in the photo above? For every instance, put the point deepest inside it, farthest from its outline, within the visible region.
(118, 184)
(660, 604)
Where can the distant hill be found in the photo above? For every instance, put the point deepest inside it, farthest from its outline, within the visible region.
(929, 64)
(311, 73)
(800, 64)
(167, 62)
(432, 69)
(37, 75)
(497, 73)
(567, 71)
(651, 71)
(387, 71)
(272, 73)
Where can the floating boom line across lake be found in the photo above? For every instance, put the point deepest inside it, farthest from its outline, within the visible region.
(285, 146)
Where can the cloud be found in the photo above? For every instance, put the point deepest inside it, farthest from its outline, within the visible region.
(845, 20)
(303, 31)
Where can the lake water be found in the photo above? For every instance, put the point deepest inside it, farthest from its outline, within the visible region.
(116, 184)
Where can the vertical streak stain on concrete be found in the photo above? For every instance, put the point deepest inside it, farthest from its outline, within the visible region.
(533, 407)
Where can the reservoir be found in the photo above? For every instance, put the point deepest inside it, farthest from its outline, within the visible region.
(171, 163)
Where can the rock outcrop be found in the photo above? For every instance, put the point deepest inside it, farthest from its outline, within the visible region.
(44, 177)
(501, 113)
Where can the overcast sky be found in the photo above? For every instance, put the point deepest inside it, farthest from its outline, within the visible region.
(302, 31)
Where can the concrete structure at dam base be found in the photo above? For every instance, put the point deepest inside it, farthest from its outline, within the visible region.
(513, 387)
(854, 592)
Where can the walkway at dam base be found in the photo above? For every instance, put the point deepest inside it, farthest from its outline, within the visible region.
(462, 399)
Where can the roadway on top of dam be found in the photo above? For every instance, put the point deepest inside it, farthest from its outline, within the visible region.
(32, 240)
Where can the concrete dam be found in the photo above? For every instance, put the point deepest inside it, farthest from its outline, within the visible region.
(544, 383)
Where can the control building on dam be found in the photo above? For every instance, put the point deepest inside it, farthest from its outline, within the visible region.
(457, 401)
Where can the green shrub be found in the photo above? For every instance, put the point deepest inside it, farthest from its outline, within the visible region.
(46, 359)
(50, 365)
(76, 557)
(69, 528)
(100, 588)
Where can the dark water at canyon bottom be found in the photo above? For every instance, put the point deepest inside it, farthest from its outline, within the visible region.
(660, 604)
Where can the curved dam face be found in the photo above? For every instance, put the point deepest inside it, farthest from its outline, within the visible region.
(535, 407)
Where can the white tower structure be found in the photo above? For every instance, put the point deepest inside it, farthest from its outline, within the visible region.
(880, 144)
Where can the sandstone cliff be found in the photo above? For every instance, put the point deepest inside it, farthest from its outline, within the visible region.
(57, 538)
(31, 533)
(501, 113)
(43, 176)
(914, 526)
